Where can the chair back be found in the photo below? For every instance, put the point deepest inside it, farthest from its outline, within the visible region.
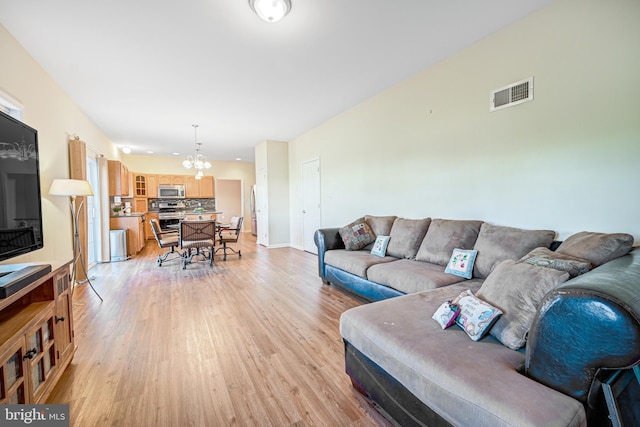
(197, 231)
(232, 233)
(155, 229)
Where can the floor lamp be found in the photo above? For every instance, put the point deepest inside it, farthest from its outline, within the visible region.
(73, 188)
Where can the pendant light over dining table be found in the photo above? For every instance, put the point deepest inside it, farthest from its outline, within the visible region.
(271, 10)
(197, 161)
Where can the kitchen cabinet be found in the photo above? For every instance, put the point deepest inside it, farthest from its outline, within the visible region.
(140, 204)
(134, 224)
(139, 185)
(152, 186)
(171, 179)
(199, 188)
(147, 225)
(118, 178)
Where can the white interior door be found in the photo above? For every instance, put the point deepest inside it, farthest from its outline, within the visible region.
(310, 203)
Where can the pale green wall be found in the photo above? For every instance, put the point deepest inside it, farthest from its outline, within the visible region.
(49, 110)
(569, 160)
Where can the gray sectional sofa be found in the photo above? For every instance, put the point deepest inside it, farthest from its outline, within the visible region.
(581, 329)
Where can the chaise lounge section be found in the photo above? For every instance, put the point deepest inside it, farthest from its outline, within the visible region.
(416, 373)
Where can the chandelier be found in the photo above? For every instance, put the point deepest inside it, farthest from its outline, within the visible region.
(197, 161)
(20, 151)
(271, 10)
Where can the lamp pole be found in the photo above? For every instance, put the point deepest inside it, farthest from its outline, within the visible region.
(77, 248)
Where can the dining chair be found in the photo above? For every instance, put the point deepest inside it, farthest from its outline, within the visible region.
(197, 238)
(165, 239)
(230, 234)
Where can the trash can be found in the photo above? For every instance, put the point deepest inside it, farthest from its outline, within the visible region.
(118, 245)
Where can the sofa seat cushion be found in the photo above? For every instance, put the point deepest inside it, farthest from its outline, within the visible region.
(410, 276)
(466, 382)
(354, 262)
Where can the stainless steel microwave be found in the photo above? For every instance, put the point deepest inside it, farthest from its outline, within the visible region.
(171, 192)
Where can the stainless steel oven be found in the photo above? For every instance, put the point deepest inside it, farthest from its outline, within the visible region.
(170, 213)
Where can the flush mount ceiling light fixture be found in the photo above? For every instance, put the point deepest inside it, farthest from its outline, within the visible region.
(271, 10)
(197, 161)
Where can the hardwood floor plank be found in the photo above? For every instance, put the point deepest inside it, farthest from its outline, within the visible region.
(249, 341)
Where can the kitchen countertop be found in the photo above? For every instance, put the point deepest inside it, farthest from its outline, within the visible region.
(125, 215)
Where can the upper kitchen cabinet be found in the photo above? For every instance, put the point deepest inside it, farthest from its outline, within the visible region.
(152, 186)
(171, 179)
(139, 185)
(199, 188)
(118, 179)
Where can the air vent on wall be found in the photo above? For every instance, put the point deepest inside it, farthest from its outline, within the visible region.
(513, 94)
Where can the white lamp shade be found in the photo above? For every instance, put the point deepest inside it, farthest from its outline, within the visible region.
(70, 187)
(271, 10)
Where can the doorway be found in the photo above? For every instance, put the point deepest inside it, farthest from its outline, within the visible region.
(229, 199)
(93, 219)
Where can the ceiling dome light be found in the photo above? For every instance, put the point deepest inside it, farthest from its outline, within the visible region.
(126, 149)
(271, 10)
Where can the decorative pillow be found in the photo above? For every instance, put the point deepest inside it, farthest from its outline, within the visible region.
(446, 314)
(598, 248)
(518, 289)
(357, 235)
(380, 246)
(461, 263)
(476, 316)
(544, 257)
(406, 236)
(495, 244)
(443, 236)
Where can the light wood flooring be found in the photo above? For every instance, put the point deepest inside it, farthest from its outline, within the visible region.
(251, 341)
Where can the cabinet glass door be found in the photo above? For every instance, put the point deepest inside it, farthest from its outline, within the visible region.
(12, 380)
(41, 352)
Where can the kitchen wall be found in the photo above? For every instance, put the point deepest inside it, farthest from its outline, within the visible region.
(569, 160)
(244, 171)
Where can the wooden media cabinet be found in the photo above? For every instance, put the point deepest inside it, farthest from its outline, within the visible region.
(36, 334)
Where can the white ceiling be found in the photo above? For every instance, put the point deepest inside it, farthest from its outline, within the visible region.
(146, 70)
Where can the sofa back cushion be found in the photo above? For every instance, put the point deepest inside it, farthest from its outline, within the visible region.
(406, 236)
(598, 248)
(381, 225)
(443, 236)
(496, 244)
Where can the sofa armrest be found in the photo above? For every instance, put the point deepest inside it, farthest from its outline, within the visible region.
(326, 239)
(589, 323)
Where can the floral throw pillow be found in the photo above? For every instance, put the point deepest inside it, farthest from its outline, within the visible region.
(380, 246)
(476, 316)
(461, 263)
(357, 235)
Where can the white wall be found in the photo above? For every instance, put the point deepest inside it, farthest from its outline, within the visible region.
(568, 161)
(49, 110)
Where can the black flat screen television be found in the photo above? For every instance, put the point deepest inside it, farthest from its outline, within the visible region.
(20, 202)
